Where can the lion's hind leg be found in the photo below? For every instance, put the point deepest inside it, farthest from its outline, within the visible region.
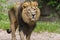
(13, 23)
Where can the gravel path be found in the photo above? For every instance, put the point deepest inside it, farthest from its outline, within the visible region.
(34, 36)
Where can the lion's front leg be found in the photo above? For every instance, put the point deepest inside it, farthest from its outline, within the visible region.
(22, 35)
(13, 32)
(28, 35)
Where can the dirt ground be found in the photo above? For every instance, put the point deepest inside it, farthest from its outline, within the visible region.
(34, 36)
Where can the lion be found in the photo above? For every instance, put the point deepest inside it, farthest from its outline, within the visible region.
(24, 17)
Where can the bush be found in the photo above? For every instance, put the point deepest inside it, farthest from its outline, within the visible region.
(4, 21)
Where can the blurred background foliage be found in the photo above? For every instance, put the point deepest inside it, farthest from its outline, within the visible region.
(49, 19)
(52, 3)
(49, 7)
(4, 20)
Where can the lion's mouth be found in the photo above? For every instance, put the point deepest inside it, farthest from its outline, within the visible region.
(33, 19)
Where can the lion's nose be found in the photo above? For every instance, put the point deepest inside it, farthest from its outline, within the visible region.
(33, 15)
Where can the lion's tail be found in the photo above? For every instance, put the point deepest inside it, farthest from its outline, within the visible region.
(9, 31)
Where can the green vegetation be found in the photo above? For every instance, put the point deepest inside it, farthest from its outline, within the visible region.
(4, 21)
(52, 3)
(48, 26)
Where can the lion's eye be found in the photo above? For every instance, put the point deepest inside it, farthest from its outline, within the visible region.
(28, 9)
(24, 7)
(34, 9)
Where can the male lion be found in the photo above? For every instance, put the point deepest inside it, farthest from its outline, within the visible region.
(24, 16)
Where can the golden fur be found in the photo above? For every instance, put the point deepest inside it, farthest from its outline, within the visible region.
(34, 5)
(25, 15)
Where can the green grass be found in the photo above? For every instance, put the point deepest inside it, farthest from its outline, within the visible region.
(48, 26)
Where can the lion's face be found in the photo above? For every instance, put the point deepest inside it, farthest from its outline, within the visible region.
(30, 12)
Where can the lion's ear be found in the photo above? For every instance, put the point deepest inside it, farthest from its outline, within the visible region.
(25, 4)
(34, 3)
